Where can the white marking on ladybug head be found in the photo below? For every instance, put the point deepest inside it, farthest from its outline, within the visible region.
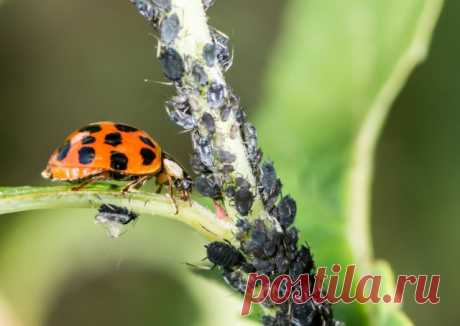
(173, 169)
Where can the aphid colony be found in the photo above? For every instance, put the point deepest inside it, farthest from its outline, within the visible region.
(262, 249)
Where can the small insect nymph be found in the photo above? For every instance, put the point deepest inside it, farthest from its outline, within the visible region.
(224, 255)
(107, 150)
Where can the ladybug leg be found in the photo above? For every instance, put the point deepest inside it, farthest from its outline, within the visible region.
(171, 193)
(159, 188)
(89, 180)
(136, 183)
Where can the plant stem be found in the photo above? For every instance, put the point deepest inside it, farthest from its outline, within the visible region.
(31, 198)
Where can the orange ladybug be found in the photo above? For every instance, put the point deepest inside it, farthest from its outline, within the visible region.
(107, 150)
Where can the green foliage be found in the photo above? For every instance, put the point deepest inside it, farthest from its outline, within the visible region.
(337, 69)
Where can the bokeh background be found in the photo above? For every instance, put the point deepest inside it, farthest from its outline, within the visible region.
(64, 64)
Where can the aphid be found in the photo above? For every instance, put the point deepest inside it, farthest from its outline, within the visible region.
(243, 201)
(236, 280)
(224, 255)
(241, 195)
(169, 29)
(271, 185)
(146, 9)
(116, 214)
(172, 64)
(203, 149)
(303, 263)
(223, 53)
(282, 262)
(164, 5)
(285, 211)
(199, 74)
(216, 95)
(208, 3)
(250, 139)
(225, 112)
(178, 109)
(207, 121)
(209, 54)
(280, 319)
(114, 218)
(240, 116)
(116, 151)
(226, 156)
(197, 166)
(227, 169)
(207, 186)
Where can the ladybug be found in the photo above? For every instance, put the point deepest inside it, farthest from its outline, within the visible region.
(108, 150)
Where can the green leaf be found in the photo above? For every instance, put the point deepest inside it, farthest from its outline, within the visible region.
(338, 67)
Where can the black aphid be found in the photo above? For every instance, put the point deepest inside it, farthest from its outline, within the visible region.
(271, 185)
(225, 112)
(224, 255)
(240, 116)
(303, 263)
(227, 169)
(169, 29)
(280, 319)
(285, 211)
(243, 201)
(209, 54)
(199, 74)
(208, 4)
(164, 5)
(181, 118)
(236, 280)
(223, 53)
(207, 121)
(147, 9)
(117, 214)
(226, 156)
(207, 186)
(216, 95)
(172, 64)
(179, 111)
(197, 165)
(203, 149)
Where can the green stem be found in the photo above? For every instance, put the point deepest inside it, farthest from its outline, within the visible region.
(18, 199)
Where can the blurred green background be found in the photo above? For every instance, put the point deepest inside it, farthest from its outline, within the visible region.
(64, 64)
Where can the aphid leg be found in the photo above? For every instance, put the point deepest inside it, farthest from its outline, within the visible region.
(89, 180)
(136, 183)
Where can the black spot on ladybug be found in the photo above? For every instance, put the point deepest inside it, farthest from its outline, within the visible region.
(88, 140)
(125, 128)
(113, 139)
(86, 155)
(91, 128)
(118, 161)
(172, 64)
(63, 151)
(169, 29)
(147, 141)
(147, 156)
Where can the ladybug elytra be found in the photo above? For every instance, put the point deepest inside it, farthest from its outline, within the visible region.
(107, 150)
